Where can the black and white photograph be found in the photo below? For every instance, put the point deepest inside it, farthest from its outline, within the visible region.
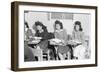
(53, 36)
(56, 36)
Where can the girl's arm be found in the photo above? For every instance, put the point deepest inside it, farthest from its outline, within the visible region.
(65, 38)
(73, 35)
(82, 37)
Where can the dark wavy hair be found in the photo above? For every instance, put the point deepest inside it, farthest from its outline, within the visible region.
(79, 24)
(58, 22)
(26, 24)
(38, 23)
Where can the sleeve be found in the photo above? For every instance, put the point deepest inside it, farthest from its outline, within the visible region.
(73, 35)
(36, 34)
(45, 36)
(50, 35)
(55, 34)
(65, 34)
(65, 37)
(82, 37)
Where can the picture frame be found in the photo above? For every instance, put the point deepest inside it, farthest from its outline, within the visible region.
(19, 17)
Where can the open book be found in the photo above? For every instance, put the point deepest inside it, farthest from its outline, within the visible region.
(56, 41)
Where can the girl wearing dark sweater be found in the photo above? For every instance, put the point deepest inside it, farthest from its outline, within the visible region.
(42, 34)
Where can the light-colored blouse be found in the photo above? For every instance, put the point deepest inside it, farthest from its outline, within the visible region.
(78, 35)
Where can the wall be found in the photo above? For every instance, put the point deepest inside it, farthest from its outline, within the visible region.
(5, 38)
(31, 17)
(85, 21)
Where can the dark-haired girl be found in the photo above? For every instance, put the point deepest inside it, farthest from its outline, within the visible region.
(42, 34)
(78, 36)
(78, 33)
(61, 34)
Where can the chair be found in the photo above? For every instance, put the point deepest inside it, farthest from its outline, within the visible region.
(37, 53)
(46, 55)
(40, 54)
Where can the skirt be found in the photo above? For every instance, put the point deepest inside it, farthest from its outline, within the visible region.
(63, 49)
(43, 45)
(79, 52)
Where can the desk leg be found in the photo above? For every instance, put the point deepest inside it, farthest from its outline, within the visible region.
(56, 48)
(40, 55)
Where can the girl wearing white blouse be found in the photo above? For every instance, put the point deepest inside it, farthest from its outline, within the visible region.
(78, 36)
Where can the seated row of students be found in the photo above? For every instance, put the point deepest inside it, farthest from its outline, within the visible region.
(59, 33)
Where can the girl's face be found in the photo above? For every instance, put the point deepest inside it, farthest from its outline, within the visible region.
(57, 26)
(77, 27)
(39, 27)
